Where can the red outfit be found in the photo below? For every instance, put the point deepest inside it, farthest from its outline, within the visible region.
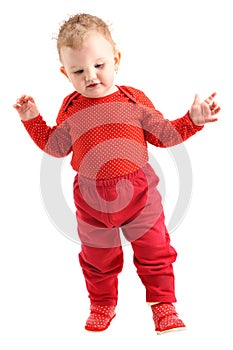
(115, 187)
(142, 223)
(108, 135)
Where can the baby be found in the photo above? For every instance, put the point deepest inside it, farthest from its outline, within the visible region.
(106, 128)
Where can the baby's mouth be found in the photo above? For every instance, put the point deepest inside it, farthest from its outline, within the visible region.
(93, 85)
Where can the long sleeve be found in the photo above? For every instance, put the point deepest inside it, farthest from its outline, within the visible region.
(55, 141)
(159, 131)
(165, 133)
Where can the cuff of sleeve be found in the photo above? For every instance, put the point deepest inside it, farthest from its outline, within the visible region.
(194, 126)
(31, 121)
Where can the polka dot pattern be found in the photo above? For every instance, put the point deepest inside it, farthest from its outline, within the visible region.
(100, 317)
(166, 318)
(92, 129)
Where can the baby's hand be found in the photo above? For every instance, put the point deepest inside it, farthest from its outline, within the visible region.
(26, 107)
(204, 112)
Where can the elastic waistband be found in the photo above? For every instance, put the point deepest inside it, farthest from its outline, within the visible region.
(112, 182)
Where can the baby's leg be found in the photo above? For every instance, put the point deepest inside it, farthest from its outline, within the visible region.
(101, 267)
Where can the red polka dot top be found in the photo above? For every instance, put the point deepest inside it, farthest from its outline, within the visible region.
(108, 136)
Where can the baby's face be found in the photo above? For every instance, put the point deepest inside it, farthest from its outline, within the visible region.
(91, 67)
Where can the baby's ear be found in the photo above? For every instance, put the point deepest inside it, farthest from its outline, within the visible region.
(63, 71)
(117, 59)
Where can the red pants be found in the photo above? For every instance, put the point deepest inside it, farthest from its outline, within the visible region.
(133, 204)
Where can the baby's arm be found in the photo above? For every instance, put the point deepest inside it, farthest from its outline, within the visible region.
(55, 140)
(26, 107)
(164, 133)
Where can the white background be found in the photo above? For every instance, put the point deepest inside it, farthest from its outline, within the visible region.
(170, 50)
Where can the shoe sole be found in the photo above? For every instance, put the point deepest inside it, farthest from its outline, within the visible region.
(171, 330)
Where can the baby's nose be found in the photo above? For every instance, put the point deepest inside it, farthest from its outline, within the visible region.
(90, 75)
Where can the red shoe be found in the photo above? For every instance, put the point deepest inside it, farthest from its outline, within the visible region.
(100, 317)
(166, 318)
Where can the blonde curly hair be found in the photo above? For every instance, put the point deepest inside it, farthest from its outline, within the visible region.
(73, 31)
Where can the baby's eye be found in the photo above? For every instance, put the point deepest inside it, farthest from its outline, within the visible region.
(80, 71)
(99, 65)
